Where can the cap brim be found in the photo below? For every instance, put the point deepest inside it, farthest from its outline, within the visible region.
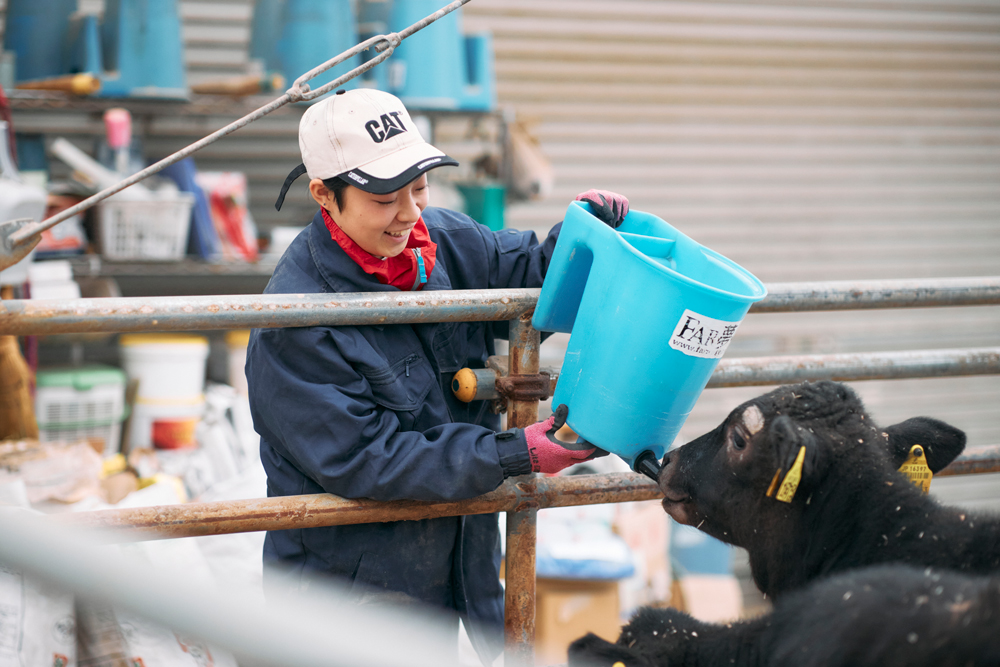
(390, 173)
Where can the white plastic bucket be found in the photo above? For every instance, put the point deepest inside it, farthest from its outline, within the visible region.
(170, 367)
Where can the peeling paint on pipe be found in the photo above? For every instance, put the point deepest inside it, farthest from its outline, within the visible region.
(312, 511)
(256, 311)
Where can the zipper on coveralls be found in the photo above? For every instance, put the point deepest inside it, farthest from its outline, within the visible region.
(420, 266)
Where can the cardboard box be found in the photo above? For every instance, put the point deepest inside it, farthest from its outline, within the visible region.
(567, 609)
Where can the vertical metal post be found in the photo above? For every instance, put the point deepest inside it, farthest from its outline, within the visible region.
(519, 595)
(524, 344)
(519, 600)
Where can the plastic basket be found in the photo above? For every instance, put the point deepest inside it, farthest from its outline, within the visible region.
(153, 229)
(86, 402)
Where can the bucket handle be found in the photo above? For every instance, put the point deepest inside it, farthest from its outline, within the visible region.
(564, 288)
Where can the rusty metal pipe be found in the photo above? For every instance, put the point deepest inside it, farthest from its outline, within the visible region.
(41, 317)
(759, 371)
(519, 588)
(314, 511)
(868, 294)
(191, 313)
(519, 563)
(753, 371)
(523, 360)
(974, 461)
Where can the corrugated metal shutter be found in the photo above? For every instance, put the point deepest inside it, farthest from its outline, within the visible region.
(216, 38)
(805, 140)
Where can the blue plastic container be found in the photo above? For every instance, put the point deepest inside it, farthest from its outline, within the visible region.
(314, 31)
(143, 50)
(651, 312)
(265, 32)
(439, 67)
(36, 32)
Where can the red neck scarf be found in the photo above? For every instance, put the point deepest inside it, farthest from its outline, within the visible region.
(409, 270)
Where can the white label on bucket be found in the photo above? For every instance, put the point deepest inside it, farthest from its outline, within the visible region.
(700, 336)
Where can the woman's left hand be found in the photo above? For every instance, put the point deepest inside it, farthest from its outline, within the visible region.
(610, 207)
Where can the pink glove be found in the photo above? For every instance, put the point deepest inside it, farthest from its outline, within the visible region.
(611, 208)
(549, 455)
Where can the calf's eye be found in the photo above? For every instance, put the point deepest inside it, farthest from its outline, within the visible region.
(739, 442)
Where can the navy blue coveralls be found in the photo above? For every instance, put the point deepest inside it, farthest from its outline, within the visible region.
(367, 412)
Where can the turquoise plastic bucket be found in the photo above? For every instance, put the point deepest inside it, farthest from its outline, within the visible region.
(650, 312)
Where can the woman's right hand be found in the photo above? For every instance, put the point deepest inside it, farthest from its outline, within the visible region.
(549, 454)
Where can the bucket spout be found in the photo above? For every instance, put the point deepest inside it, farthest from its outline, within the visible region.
(647, 464)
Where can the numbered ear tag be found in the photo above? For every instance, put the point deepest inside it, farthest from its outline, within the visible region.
(916, 469)
(791, 482)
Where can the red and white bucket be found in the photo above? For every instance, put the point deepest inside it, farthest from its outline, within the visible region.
(170, 401)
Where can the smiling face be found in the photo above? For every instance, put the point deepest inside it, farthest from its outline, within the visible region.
(380, 224)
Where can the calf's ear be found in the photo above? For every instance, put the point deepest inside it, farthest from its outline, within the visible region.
(941, 442)
(788, 439)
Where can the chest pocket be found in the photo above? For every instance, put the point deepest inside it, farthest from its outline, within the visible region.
(402, 386)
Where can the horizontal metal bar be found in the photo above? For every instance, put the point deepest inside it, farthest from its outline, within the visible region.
(190, 313)
(755, 371)
(860, 295)
(40, 317)
(312, 511)
(975, 460)
(761, 371)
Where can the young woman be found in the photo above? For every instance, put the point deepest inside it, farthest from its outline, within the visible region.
(367, 411)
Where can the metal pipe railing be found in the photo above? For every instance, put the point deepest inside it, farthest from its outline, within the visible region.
(319, 510)
(871, 294)
(756, 371)
(259, 311)
(203, 313)
(521, 497)
(315, 511)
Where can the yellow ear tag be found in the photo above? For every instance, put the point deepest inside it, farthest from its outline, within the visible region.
(774, 483)
(791, 482)
(916, 469)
